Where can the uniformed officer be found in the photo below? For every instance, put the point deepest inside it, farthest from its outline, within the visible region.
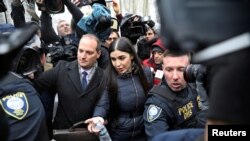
(22, 111)
(220, 40)
(174, 104)
(23, 108)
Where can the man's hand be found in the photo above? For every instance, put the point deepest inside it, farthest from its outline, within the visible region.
(116, 7)
(76, 2)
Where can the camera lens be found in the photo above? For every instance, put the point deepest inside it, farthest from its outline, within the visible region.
(192, 71)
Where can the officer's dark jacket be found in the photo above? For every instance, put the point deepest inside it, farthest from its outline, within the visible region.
(131, 97)
(166, 110)
(23, 108)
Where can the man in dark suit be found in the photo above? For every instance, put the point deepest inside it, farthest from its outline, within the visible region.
(77, 93)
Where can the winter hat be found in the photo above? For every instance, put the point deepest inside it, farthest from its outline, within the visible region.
(158, 46)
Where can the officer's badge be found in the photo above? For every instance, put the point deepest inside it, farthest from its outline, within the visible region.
(153, 113)
(199, 102)
(15, 105)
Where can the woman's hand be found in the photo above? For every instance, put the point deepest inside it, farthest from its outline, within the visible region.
(92, 123)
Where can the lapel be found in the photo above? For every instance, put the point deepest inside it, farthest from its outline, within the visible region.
(94, 82)
(73, 73)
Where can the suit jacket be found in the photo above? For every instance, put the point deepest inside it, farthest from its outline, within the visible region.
(75, 104)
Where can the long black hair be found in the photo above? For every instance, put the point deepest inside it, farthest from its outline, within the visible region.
(123, 44)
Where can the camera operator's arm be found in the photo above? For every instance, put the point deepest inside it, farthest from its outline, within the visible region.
(74, 10)
(48, 34)
(76, 15)
(150, 42)
(117, 11)
(17, 13)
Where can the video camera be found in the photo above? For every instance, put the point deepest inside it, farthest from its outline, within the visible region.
(62, 50)
(51, 6)
(133, 27)
(195, 72)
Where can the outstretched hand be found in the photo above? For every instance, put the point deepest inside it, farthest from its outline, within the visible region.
(92, 123)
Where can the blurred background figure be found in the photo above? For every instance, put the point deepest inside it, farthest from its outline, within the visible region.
(63, 28)
(144, 44)
(113, 36)
(155, 61)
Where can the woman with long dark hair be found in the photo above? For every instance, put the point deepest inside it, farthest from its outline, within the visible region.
(122, 102)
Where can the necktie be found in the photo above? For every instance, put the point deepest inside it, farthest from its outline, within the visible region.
(84, 79)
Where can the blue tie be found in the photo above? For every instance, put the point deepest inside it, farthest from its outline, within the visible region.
(84, 79)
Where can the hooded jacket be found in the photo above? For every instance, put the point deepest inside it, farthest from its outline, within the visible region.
(151, 63)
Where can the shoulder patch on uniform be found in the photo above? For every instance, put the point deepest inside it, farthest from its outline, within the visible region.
(15, 105)
(153, 112)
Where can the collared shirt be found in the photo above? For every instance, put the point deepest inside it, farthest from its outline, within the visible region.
(90, 72)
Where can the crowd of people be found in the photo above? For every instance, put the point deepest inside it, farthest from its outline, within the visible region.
(129, 78)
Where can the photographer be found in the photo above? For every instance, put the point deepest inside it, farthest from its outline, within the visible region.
(112, 37)
(155, 61)
(174, 104)
(144, 44)
(132, 27)
(64, 30)
(17, 14)
(97, 23)
(62, 46)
